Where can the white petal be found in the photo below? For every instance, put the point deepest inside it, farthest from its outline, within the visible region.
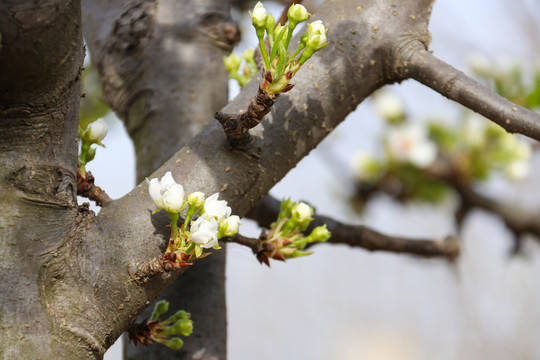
(154, 189)
(173, 198)
(167, 180)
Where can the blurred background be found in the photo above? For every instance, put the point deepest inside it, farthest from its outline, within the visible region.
(346, 303)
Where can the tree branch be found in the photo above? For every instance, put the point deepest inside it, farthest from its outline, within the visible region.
(455, 85)
(267, 210)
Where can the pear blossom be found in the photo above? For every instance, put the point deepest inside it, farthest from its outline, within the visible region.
(474, 130)
(166, 193)
(215, 208)
(388, 105)
(97, 130)
(302, 212)
(364, 166)
(517, 170)
(410, 143)
(204, 232)
(230, 225)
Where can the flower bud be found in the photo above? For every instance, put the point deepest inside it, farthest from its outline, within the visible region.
(230, 225)
(302, 212)
(174, 343)
(196, 199)
(320, 234)
(259, 16)
(317, 28)
(97, 131)
(232, 62)
(296, 14)
(249, 54)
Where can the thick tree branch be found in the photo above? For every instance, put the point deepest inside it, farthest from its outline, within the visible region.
(172, 84)
(329, 87)
(267, 210)
(41, 57)
(455, 85)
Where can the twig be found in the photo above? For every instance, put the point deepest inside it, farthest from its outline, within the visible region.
(237, 127)
(455, 85)
(86, 188)
(267, 210)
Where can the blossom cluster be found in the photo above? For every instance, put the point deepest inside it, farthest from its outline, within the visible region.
(279, 65)
(94, 133)
(474, 148)
(214, 220)
(165, 332)
(286, 239)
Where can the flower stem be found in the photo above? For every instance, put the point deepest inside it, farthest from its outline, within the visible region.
(174, 219)
(264, 54)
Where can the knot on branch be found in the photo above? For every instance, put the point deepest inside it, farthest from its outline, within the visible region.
(236, 126)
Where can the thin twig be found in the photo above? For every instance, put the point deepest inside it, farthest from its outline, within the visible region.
(455, 85)
(267, 210)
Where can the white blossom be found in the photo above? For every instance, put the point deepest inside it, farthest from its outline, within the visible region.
(166, 193)
(97, 130)
(410, 143)
(215, 208)
(230, 225)
(517, 170)
(474, 130)
(364, 166)
(204, 232)
(388, 105)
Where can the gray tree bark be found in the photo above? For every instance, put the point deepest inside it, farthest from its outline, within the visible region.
(160, 62)
(64, 268)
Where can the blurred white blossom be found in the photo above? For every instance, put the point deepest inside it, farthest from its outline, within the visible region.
(410, 143)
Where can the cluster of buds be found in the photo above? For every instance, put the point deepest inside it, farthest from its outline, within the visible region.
(94, 133)
(233, 63)
(279, 65)
(214, 221)
(165, 332)
(285, 239)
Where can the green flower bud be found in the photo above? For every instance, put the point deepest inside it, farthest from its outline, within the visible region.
(259, 18)
(160, 308)
(232, 62)
(196, 199)
(319, 234)
(229, 226)
(174, 343)
(302, 212)
(296, 14)
(249, 54)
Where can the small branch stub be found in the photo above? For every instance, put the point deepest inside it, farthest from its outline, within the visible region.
(237, 127)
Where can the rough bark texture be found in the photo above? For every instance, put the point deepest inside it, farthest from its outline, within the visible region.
(70, 294)
(40, 62)
(161, 65)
